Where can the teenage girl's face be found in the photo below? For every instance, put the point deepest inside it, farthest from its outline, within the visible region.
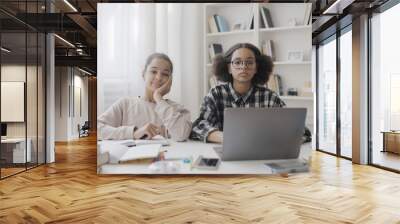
(243, 65)
(157, 73)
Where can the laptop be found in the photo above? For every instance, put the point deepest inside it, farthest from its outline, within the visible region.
(262, 133)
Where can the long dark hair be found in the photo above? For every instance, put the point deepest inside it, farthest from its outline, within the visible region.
(264, 64)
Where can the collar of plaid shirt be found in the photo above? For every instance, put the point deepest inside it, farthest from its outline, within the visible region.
(239, 99)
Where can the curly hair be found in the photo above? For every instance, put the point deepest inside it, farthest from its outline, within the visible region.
(264, 64)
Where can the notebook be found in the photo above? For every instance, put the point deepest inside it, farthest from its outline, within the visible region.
(143, 152)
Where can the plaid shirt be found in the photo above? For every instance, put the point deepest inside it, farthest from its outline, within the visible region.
(222, 96)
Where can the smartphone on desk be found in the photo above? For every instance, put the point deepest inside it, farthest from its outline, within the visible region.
(207, 163)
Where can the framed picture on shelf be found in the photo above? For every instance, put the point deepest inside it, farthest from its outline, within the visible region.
(295, 56)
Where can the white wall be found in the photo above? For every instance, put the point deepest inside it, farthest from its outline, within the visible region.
(82, 82)
(33, 126)
(15, 73)
(12, 73)
(66, 121)
(61, 103)
(80, 118)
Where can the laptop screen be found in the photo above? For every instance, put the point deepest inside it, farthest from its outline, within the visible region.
(3, 129)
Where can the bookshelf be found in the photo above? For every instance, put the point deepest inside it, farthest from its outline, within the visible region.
(285, 28)
(289, 34)
(230, 33)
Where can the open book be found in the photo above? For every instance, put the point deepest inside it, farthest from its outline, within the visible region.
(141, 154)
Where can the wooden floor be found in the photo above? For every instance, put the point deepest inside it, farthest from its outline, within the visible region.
(70, 191)
(10, 171)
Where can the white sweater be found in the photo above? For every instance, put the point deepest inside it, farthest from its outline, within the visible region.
(119, 121)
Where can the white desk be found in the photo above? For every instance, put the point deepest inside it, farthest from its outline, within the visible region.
(18, 149)
(110, 151)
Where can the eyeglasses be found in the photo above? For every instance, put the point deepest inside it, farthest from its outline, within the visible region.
(239, 63)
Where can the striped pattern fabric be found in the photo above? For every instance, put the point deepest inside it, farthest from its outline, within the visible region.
(224, 96)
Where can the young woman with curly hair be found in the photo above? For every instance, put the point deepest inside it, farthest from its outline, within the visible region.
(244, 71)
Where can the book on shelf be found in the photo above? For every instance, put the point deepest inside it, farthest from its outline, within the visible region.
(212, 24)
(214, 49)
(307, 15)
(267, 48)
(251, 22)
(216, 22)
(262, 24)
(275, 84)
(222, 24)
(307, 90)
(266, 17)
